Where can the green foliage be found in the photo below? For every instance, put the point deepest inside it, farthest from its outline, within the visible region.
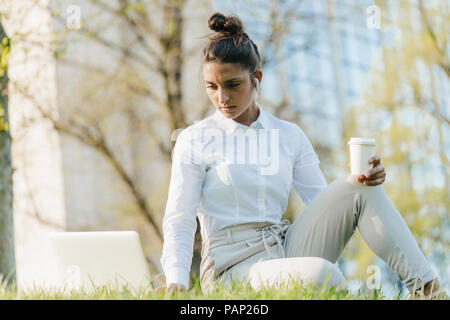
(234, 291)
(4, 126)
(4, 54)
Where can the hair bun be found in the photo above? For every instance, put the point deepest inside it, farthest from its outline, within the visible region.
(231, 24)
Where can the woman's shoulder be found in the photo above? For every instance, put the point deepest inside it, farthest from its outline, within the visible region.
(292, 133)
(286, 126)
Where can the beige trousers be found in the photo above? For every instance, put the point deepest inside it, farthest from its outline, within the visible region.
(321, 230)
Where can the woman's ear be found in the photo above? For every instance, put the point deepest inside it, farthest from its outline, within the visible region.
(258, 75)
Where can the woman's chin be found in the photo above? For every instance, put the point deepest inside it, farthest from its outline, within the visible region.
(228, 113)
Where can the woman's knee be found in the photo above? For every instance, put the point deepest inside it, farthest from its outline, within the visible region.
(309, 269)
(349, 181)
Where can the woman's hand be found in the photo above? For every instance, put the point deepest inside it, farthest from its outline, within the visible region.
(171, 287)
(376, 175)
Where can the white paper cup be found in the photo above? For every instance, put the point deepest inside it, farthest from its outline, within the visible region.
(361, 150)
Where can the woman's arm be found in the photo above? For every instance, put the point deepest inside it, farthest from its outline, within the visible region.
(308, 180)
(179, 222)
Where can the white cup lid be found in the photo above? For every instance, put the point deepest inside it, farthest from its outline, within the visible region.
(367, 141)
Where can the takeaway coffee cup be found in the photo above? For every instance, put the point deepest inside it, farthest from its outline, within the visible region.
(361, 150)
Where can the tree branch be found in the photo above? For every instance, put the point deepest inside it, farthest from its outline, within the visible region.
(443, 54)
(93, 137)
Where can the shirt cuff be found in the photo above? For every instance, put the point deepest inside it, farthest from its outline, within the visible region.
(177, 275)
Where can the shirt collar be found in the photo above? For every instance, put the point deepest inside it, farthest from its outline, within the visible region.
(230, 125)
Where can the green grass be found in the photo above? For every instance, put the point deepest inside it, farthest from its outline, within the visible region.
(235, 291)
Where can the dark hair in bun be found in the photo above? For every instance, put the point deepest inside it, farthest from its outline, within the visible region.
(230, 43)
(230, 25)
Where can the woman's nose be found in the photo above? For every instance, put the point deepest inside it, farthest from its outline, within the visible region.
(223, 97)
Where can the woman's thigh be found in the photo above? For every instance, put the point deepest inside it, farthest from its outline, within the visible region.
(325, 226)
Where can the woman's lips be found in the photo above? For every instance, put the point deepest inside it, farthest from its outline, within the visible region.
(228, 109)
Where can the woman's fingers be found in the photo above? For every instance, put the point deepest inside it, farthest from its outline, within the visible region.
(373, 182)
(376, 179)
(375, 160)
(374, 176)
(173, 287)
(361, 178)
(374, 171)
(379, 175)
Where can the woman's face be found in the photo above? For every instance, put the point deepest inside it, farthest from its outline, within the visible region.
(229, 87)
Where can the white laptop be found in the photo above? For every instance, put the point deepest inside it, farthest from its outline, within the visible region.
(90, 259)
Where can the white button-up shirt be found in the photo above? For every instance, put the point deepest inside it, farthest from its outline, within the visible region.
(227, 173)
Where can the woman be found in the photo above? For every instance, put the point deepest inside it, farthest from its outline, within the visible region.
(240, 205)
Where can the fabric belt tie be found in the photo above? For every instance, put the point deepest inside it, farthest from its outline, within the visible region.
(275, 230)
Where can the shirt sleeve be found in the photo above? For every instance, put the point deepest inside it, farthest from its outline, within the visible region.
(308, 180)
(179, 224)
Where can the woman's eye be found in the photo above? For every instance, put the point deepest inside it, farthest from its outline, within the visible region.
(231, 86)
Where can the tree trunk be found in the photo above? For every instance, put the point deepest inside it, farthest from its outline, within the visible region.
(171, 71)
(7, 259)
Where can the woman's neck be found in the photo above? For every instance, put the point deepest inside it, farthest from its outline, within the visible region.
(248, 116)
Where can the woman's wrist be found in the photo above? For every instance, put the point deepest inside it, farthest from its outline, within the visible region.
(177, 275)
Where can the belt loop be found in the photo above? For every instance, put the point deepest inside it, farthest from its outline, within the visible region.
(229, 239)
